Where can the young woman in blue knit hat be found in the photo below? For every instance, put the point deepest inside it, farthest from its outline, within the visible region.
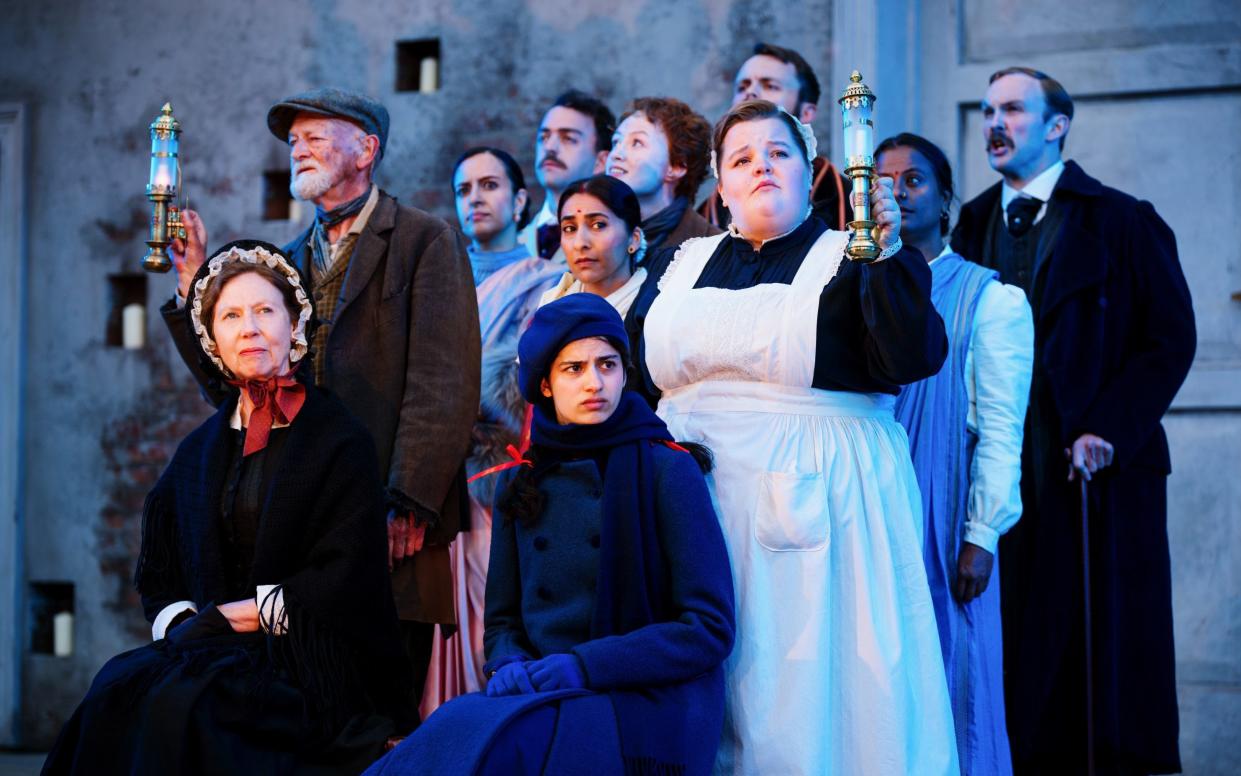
(609, 606)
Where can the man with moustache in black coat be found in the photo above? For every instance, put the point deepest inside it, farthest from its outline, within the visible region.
(1114, 340)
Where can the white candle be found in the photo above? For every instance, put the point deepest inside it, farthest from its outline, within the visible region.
(428, 75)
(133, 326)
(62, 634)
(861, 140)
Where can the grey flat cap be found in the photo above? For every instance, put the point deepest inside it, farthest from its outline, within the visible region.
(335, 103)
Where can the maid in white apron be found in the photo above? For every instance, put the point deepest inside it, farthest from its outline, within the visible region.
(783, 357)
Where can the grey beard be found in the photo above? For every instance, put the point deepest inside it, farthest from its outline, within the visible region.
(309, 186)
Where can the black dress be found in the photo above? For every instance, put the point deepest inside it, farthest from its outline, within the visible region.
(306, 513)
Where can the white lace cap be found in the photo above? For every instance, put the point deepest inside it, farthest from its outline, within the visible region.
(255, 255)
(807, 137)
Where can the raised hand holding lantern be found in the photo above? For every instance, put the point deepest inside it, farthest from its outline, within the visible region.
(857, 105)
(162, 189)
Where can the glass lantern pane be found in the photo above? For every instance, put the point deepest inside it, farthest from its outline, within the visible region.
(164, 144)
(163, 173)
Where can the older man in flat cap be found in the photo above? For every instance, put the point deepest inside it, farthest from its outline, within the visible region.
(398, 338)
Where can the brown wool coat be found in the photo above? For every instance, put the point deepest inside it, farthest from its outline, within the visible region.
(403, 356)
(690, 225)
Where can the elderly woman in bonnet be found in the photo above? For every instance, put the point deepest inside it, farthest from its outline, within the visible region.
(601, 234)
(771, 347)
(609, 598)
(262, 568)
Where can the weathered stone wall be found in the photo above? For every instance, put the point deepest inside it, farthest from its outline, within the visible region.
(102, 421)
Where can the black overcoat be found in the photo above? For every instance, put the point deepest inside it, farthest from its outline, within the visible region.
(404, 356)
(1114, 340)
(320, 698)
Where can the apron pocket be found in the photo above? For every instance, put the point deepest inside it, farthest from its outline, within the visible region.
(792, 512)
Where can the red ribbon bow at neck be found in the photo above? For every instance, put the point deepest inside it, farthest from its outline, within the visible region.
(275, 400)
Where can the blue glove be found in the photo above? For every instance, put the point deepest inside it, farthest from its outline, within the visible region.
(557, 672)
(510, 679)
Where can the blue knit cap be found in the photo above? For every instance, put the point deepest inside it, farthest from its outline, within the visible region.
(554, 325)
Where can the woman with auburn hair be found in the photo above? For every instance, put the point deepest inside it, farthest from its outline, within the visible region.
(661, 148)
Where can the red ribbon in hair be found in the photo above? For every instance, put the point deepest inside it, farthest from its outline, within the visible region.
(275, 400)
(516, 453)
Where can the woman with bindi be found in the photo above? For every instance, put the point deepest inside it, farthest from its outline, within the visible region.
(601, 235)
(262, 567)
(965, 428)
(492, 206)
(609, 598)
(771, 347)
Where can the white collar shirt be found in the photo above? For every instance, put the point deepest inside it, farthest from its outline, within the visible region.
(1041, 187)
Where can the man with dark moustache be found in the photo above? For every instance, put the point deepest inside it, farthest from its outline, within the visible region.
(1114, 339)
(574, 138)
(397, 340)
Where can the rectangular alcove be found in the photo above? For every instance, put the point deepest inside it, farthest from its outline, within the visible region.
(277, 201)
(47, 599)
(418, 65)
(126, 290)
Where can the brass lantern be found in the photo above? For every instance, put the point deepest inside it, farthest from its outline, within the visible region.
(162, 189)
(857, 105)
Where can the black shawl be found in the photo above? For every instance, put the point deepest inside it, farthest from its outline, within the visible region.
(322, 537)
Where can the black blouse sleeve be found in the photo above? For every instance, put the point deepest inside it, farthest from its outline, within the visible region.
(877, 328)
(639, 379)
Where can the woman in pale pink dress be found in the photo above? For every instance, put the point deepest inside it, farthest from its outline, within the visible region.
(492, 206)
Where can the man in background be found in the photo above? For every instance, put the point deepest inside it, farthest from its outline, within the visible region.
(573, 142)
(782, 76)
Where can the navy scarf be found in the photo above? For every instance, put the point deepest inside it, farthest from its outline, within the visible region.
(320, 247)
(633, 585)
(632, 582)
(330, 218)
(657, 228)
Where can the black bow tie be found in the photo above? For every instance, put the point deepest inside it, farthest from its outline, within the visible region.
(548, 240)
(1021, 214)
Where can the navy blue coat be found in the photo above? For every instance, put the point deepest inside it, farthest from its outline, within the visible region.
(654, 701)
(1114, 340)
(540, 601)
(536, 605)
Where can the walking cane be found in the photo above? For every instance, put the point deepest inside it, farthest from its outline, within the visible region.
(1089, 649)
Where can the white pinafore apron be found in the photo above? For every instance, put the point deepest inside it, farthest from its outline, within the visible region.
(837, 667)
